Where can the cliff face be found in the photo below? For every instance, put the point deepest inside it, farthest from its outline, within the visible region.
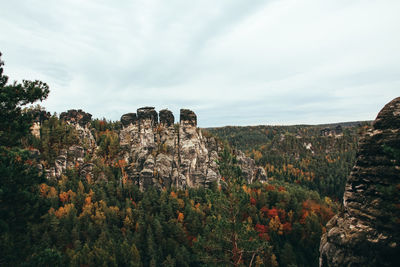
(367, 232)
(161, 153)
(157, 152)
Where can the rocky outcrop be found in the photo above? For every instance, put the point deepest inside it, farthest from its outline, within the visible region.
(76, 116)
(156, 151)
(129, 118)
(367, 231)
(73, 156)
(81, 122)
(39, 116)
(164, 154)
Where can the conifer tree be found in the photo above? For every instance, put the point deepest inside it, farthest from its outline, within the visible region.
(19, 202)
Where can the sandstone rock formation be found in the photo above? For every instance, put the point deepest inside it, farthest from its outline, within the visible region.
(73, 157)
(39, 116)
(81, 121)
(157, 152)
(367, 231)
(163, 154)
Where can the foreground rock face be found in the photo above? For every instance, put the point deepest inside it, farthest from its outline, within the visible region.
(367, 232)
(164, 154)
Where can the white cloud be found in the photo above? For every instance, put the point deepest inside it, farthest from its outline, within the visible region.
(233, 62)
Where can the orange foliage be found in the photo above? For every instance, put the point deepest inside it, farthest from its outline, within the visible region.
(180, 216)
(312, 207)
(44, 188)
(63, 197)
(47, 191)
(88, 200)
(270, 188)
(173, 194)
(63, 211)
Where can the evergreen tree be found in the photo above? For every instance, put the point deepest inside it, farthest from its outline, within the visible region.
(19, 201)
(229, 237)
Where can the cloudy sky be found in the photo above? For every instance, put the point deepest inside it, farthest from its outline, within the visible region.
(232, 62)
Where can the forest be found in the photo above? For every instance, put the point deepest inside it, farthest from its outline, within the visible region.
(318, 157)
(74, 221)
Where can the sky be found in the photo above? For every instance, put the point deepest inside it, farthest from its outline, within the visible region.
(233, 62)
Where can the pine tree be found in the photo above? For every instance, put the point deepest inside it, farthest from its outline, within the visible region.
(19, 199)
(230, 238)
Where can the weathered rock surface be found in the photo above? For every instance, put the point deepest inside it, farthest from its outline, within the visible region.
(157, 152)
(367, 232)
(81, 122)
(39, 116)
(129, 118)
(73, 157)
(163, 154)
(76, 116)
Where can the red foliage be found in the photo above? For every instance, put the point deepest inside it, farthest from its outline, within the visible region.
(264, 236)
(310, 206)
(264, 209)
(253, 201)
(272, 213)
(281, 188)
(260, 228)
(270, 188)
(287, 227)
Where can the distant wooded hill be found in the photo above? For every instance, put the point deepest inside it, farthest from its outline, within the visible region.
(319, 157)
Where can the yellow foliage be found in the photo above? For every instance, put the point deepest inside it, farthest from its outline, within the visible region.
(181, 203)
(128, 223)
(274, 262)
(114, 209)
(81, 188)
(257, 155)
(274, 224)
(129, 211)
(99, 217)
(290, 215)
(62, 211)
(53, 193)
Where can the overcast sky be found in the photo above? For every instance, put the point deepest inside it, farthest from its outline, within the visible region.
(232, 62)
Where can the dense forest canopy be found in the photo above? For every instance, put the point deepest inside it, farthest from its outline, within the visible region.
(318, 157)
(75, 221)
